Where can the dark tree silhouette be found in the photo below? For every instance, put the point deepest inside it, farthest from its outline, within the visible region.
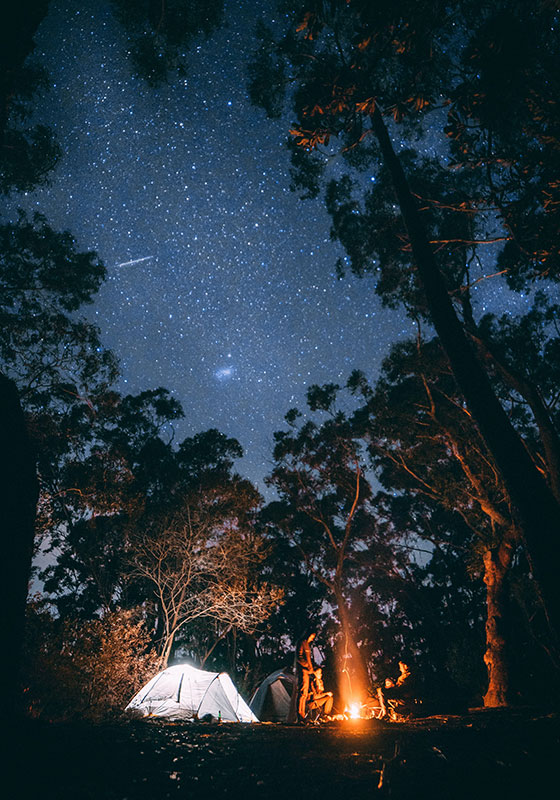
(425, 442)
(324, 514)
(48, 361)
(161, 32)
(27, 154)
(18, 499)
(354, 65)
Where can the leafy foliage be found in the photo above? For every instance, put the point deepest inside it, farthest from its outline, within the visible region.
(203, 563)
(475, 82)
(46, 350)
(27, 153)
(357, 73)
(84, 669)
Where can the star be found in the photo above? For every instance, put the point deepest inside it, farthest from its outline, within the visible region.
(244, 279)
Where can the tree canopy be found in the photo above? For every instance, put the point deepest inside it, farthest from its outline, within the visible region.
(354, 73)
(414, 514)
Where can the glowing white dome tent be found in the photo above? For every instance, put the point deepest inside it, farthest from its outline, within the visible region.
(183, 692)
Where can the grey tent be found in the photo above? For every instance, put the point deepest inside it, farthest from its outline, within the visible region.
(184, 692)
(271, 701)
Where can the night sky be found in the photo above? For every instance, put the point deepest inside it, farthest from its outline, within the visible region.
(221, 283)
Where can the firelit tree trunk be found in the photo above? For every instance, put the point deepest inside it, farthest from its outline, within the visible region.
(354, 674)
(166, 654)
(536, 508)
(167, 642)
(18, 501)
(172, 625)
(496, 565)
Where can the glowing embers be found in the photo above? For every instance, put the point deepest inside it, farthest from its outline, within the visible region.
(356, 709)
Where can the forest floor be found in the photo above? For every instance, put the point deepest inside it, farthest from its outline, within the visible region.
(484, 754)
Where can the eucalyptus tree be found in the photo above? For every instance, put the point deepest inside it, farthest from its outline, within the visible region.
(425, 443)
(138, 522)
(324, 513)
(51, 365)
(202, 563)
(53, 357)
(477, 78)
(122, 474)
(120, 465)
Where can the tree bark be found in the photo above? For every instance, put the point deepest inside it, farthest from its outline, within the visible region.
(535, 506)
(354, 674)
(164, 658)
(217, 641)
(547, 432)
(497, 562)
(18, 502)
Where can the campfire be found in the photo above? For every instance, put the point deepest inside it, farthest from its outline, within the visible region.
(358, 710)
(370, 708)
(363, 701)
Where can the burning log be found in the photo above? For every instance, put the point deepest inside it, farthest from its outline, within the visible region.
(362, 710)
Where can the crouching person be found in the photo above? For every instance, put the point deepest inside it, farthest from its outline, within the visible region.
(397, 697)
(320, 702)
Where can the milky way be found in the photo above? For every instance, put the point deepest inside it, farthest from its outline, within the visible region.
(221, 282)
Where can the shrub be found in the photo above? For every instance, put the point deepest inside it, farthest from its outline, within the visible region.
(84, 668)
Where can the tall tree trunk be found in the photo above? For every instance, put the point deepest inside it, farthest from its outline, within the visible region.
(548, 434)
(536, 508)
(211, 649)
(497, 562)
(172, 624)
(18, 501)
(354, 673)
(166, 652)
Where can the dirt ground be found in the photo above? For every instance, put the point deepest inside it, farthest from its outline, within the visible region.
(498, 754)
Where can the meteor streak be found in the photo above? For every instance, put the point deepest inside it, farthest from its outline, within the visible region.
(135, 261)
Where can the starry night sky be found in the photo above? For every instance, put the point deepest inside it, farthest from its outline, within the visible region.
(221, 283)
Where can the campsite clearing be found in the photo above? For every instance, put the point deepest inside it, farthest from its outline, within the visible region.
(484, 754)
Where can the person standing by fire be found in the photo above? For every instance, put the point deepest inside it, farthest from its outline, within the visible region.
(304, 671)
